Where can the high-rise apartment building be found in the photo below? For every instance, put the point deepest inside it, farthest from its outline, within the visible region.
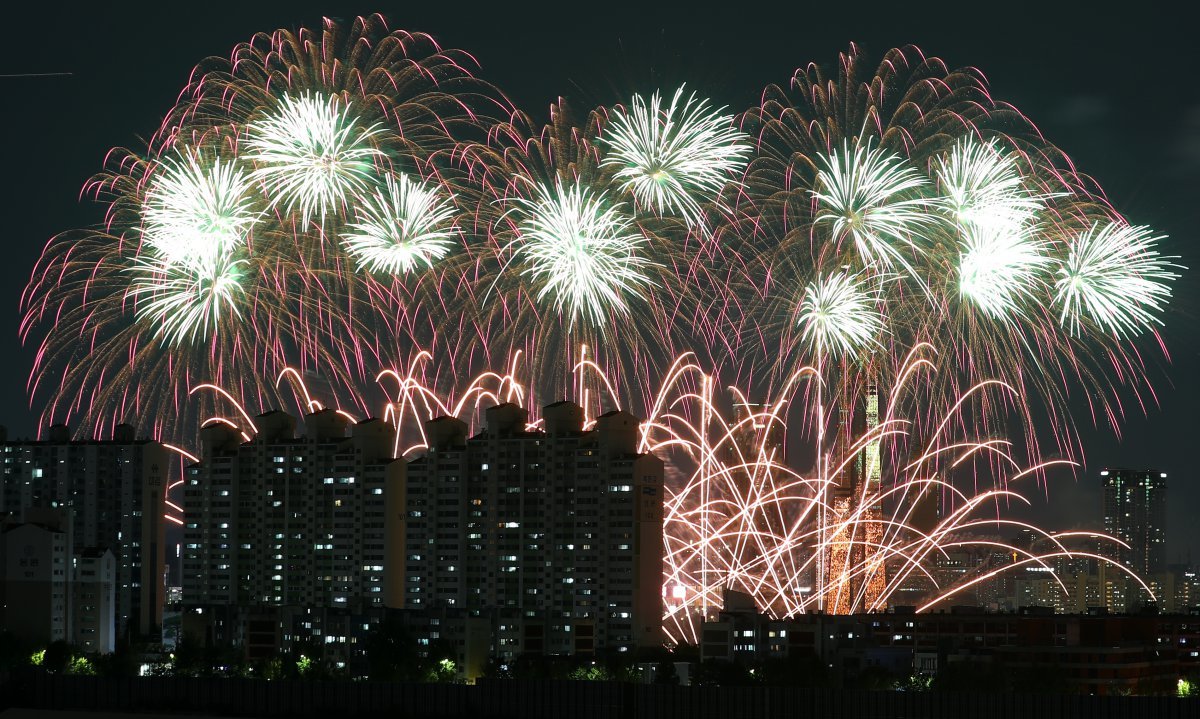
(1135, 512)
(281, 525)
(551, 536)
(113, 490)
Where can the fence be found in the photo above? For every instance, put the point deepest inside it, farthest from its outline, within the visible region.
(552, 700)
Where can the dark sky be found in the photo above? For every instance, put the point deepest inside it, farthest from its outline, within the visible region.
(1116, 91)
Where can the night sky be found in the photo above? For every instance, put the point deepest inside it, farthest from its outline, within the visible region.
(1116, 92)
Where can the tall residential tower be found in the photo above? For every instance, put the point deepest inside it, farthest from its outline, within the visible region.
(550, 540)
(1135, 512)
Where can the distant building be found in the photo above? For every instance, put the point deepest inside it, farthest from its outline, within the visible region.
(114, 489)
(548, 539)
(34, 586)
(48, 595)
(284, 535)
(1135, 512)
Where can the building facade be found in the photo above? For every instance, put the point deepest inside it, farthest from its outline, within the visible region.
(93, 611)
(549, 539)
(283, 526)
(1135, 511)
(113, 490)
(34, 586)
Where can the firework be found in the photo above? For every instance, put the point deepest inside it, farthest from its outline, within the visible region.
(322, 199)
(1000, 268)
(196, 222)
(738, 517)
(574, 257)
(193, 208)
(1115, 277)
(983, 188)
(401, 227)
(670, 158)
(837, 315)
(966, 225)
(295, 208)
(310, 155)
(581, 252)
(867, 195)
(186, 298)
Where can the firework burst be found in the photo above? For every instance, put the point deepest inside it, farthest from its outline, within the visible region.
(982, 187)
(310, 155)
(869, 195)
(193, 208)
(1115, 277)
(838, 315)
(186, 298)
(582, 253)
(671, 158)
(577, 259)
(968, 225)
(263, 226)
(1000, 268)
(401, 227)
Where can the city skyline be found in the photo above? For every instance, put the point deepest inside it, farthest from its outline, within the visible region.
(623, 359)
(1059, 496)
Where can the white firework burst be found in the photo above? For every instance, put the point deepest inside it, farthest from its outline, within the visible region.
(673, 158)
(310, 154)
(874, 198)
(185, 299)
(191, 209)
(1001, 267)
(982, 187)
(839, 315)
(1114, 276)
(581, 253)
(401, 227)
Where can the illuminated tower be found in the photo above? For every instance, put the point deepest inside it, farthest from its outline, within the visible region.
(1135, 512)
(856, 575)
(871, 472)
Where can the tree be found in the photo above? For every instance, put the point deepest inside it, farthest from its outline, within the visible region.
(188, 658)
(122, 662)
(441, 662)
(57, 656)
